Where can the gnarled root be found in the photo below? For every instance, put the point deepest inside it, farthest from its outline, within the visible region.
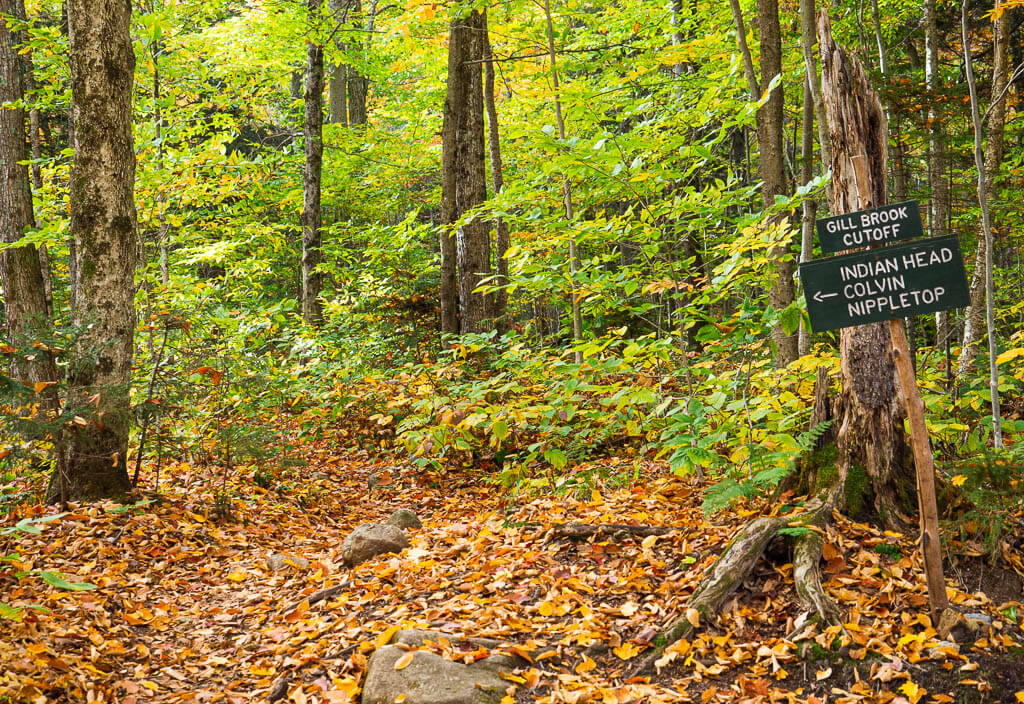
(738, 560)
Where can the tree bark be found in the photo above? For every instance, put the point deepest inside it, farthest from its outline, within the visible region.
(938, 204)
(870, 427)
(770, 122)
(808, 38)
(974, 319)
(986, 235)
(501, 238)
(29, 72)
(103, 223)
(312, 130)
(464, 180)
(337, 86)
(356, 82)
(810, 205)
(20, 270)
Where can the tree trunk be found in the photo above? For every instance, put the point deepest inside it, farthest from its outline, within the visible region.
(986, 234)
(810, 205)
(20, 271)
(356, 83)
(974, 319)
(312, 130)
(770, 122)
(501, 239)
(337, 86)
(36, 152)
(464, 179)
(870, 427)
(574, 257)
(808, 38)
(938, 206)
(103, 223)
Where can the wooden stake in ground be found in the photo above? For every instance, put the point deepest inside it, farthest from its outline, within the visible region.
(924, 463)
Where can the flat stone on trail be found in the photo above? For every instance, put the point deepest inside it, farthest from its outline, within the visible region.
(370, 540)
(404, 518)
(430, 679)
(281, 561)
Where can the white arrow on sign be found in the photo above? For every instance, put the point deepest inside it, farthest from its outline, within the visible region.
(819, 296)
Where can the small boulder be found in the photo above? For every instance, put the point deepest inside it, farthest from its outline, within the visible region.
(404, 518)
(370, 540)
(430, 679)
(280, 561)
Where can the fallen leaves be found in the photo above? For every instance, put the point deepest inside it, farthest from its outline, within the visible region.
(185, 607)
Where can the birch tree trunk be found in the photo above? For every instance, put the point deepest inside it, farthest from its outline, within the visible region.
(312, 130)
(974, 319)
(984, 186)
(103, 223)
(870, 416)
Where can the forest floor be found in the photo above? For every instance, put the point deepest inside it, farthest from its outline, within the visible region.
(187, 610)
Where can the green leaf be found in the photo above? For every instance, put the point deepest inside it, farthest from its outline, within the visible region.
(12, 613)
(56, 579)
(499, 429)
(556, 458)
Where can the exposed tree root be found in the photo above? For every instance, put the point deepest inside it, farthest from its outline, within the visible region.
(738, 560)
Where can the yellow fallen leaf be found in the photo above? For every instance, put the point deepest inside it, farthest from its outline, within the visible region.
(1020, 696)
(648, 542)
(586, 666)
(546, 608)
(626, 651)
(384, 638)
(693, 616)
(237, 576)
(404, 661)
(913, 691)
(959, 480)
(400, 698)
(823, 674)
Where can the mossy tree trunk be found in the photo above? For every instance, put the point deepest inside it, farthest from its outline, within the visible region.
(103, 223)
(869, 414)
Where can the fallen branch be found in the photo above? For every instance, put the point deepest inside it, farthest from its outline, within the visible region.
(585, 530)
(319, 596)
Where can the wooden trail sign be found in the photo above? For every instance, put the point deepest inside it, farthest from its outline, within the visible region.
(883, 284)
(864, 228)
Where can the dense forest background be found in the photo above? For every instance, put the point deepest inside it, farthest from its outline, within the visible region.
(547, 245)
(633, 236)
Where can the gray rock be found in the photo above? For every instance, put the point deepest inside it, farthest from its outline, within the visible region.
(370, 540)
(979, 618)
(417, 638)
(280, 561)
(404, 518)
(430, 679)
(937, 652)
